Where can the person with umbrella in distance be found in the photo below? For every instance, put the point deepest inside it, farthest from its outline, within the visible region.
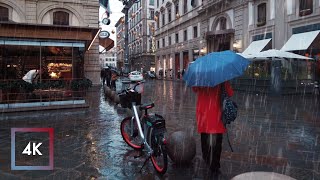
(208, 76)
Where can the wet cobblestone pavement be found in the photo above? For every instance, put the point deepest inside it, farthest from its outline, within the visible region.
(278, 134)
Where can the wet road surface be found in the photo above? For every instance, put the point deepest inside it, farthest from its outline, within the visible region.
(279, 134)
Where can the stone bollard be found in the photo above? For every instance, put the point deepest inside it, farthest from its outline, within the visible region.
(117, 99)
(113, 95)
(181, 148)
(108, 93)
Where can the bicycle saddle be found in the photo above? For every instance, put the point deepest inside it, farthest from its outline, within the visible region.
(146, 106)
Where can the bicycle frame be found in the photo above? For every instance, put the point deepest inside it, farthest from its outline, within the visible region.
(140, 131)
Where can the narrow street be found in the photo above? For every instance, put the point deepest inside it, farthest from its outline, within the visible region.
(278, 134)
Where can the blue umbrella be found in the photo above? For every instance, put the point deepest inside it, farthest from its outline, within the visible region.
(215, 68)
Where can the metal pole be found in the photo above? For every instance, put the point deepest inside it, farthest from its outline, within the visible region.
(126, 41)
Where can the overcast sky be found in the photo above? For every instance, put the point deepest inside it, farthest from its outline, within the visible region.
(115, 8)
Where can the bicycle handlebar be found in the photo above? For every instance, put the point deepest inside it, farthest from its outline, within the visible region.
(134, 88)
(138, 83)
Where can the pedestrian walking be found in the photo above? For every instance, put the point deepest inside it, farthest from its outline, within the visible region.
(114, 78)
(316, 88)
(103, 76)
(210, 126)
(209, 78)
(108, 76)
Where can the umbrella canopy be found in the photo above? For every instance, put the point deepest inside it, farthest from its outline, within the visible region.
(215, 68)
(274, 54)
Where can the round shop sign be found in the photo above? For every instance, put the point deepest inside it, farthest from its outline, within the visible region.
(104, 34)
(106, 21)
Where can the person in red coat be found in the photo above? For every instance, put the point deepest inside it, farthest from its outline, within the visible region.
(209, 123)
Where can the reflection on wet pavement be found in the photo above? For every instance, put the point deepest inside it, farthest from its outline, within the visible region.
(279, 134)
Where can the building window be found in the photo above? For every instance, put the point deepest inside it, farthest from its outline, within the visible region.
(177, 38)
(223, 23)
(158, 44)
(185, 6)
(163, 43)
(262, 14)
(185, 35)
(60, 18)
(169, 14)
(169, 40)
(151, 2)
(163, 19)
(158, 22)
(195, 31)
(177, 9)
(305, 7)
(151, 14)
(4, 14)
(157, 3)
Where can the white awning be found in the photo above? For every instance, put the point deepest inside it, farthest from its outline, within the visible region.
(256, 46)
(301, 41)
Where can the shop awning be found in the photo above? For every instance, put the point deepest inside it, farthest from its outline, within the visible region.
(301, 41)
(106, 43)
(256, 46)
(15, 31)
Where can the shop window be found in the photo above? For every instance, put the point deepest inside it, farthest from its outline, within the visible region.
(61, 18)
(262, 14)
(4, 14)
(305, 7)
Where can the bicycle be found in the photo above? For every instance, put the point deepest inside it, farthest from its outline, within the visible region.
(146, 133)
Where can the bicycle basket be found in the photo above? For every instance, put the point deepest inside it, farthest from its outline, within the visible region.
(128, 98)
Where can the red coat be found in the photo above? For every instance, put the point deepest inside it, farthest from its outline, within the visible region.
(208, 111)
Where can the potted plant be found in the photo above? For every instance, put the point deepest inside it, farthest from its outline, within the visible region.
(80, 86)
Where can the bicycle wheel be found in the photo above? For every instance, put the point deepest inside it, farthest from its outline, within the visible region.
(133, 140)
(159, 156)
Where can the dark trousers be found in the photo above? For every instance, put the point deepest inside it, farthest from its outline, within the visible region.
(113, 85)
(108, 79)
(211, 145)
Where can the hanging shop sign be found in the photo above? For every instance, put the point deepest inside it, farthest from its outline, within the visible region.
(106, 21)
(104, 34)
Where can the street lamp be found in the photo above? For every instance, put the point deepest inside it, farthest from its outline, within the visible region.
(127, 5)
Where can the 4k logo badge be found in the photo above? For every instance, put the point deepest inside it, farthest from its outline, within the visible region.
(27, 144)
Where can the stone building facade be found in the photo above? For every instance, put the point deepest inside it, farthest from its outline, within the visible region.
(120, 42)
(109, 58)
(141, 29)
(184, 30)
(81, 14)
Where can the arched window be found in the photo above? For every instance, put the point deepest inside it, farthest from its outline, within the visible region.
(4, 14)
(223, 23)
(60, 18)
(305, 7)
(262, 14)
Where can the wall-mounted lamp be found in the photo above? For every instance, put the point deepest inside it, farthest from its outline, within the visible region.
(237, 45)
